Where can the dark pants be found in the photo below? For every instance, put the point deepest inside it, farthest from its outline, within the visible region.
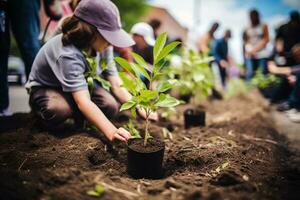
(294, 99)
(53, 106)
(22, 17)
(281, 91)
(223, 74)
(254, 64)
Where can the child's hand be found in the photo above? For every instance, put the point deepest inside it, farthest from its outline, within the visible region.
(120, 134)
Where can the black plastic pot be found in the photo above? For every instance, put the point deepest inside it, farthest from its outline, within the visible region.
(194, 118)
(145, 164)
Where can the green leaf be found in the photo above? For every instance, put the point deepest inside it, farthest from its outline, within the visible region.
(93, 193)
(147, 95)
(133, 111)
(142, 66)
(99, 188)
(124, 64)
(90, 82)
(165, 100)
(198, 77)
(166, 50)
(132, 130)
(140, 71)
(128, 83)
(104, 83)
(159, 44)
(158, 76)
(127, 105)
(166, 85)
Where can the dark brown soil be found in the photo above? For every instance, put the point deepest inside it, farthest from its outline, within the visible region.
(238, 155)
(153, 145)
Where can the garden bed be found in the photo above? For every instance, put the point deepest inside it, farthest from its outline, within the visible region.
(238, 155)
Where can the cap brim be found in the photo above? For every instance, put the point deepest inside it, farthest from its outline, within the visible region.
(150, 41)
(118, 38)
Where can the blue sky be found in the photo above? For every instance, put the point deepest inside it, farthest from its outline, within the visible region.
(232, 14)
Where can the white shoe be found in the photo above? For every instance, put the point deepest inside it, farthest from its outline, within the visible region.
(5, 113)
(291, 112)
(295, 117)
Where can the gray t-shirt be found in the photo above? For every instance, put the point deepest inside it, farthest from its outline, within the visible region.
(63, 66)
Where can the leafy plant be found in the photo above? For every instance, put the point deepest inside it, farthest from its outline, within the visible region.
(145, 97)
(263, 81)
(92, 75)
(98, 191)
(194, 74)
(235, 87)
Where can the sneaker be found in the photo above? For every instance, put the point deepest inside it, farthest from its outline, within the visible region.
(285, 106)
(5, 113)
(291, 111)
(295, 117)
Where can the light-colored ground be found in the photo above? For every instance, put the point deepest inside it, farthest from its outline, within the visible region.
(18, 99)
(284, 126)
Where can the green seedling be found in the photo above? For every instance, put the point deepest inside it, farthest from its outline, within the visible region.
(194, 74)
(263, 81)
(92, 75)
(98, 191)
(132, 130)
(146, 97)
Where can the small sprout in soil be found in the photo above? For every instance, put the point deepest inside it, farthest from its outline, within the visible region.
(132, 130)
(219, 169)
(98, 191)
(145, 96)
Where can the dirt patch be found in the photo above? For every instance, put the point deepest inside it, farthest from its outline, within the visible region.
(238, 155)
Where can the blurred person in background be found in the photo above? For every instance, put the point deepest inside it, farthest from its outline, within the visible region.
(292, 74)
(289, 33)
(256, 38)
(206, 42)
(22, 18)
(278, 61)
(220, 54)
(155, 24)
(143, 35)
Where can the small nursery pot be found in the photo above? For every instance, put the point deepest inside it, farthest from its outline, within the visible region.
(145, 161)
(194, 118)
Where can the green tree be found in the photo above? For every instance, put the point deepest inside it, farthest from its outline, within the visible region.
(131, 11)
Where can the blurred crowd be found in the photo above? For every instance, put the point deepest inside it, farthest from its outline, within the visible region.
(22, 18)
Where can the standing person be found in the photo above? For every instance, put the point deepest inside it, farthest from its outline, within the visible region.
(256, 40)
(22, 17)
(289, 33)
(57, 85)
(220, 53)
(205, 43)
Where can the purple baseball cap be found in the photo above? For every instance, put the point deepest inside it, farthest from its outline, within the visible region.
(104, 15)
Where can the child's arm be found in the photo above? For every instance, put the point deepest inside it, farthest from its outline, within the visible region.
(96, 116)
(274, 69)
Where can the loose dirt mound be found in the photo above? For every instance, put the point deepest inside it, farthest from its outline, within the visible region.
(237, 156)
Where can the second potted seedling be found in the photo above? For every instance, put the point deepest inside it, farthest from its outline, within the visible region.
(196, 81)
(145, 155)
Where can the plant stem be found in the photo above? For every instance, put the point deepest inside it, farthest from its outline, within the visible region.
(147, 135)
